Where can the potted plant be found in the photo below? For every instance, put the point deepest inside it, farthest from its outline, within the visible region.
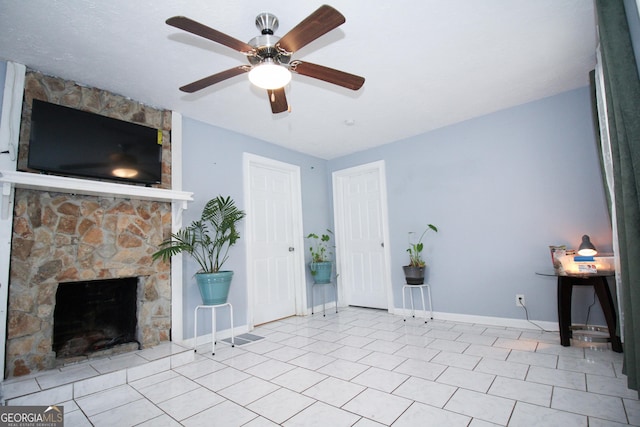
(321, 265)
(208, 241)
(414, 272)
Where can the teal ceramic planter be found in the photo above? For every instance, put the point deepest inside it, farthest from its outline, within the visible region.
(321, 271)
(214, 287)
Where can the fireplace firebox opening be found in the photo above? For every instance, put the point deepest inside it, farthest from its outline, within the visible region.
(94, 316)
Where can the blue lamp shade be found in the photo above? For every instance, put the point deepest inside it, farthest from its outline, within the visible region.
(586, 247)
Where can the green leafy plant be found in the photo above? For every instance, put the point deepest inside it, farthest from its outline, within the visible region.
(208, 239)
(320, 246)
(415, 249)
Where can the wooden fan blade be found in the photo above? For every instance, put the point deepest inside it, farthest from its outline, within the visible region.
(330, 75)
(201, 30)
(315, 25)
(214, 78)
(278, 100)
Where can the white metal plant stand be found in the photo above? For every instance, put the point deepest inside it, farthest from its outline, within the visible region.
(324, 296)
(213, 325)
(424, 307)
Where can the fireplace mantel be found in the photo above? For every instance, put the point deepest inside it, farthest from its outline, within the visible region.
(60, 184)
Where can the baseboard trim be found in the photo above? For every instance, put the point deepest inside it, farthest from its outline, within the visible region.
(220, 335)
(504, 322)
(330, 307)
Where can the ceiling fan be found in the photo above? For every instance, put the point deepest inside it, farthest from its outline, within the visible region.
(269, 56)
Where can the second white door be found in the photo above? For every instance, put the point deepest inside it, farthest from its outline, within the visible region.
(361, 227)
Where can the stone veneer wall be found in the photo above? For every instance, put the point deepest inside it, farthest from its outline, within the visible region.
(65, 237)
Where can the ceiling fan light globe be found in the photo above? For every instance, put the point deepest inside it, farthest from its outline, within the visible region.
(269, 76)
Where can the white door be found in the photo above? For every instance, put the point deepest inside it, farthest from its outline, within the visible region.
(275, 256)
(361, 230)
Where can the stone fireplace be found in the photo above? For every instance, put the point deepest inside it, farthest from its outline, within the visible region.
(62, 238)
(65, 240)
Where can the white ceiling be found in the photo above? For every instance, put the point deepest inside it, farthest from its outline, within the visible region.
(427, 63)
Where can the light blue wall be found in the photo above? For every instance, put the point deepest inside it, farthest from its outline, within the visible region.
(3, 74)
(212, 160)
(501, 188)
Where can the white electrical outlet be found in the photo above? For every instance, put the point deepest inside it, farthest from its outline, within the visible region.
(520, 300)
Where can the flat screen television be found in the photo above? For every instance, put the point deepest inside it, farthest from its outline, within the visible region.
(70, 142)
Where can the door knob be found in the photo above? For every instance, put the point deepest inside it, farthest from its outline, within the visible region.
(291, 249)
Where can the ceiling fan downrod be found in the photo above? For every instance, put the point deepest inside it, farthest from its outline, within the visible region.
(267, 23)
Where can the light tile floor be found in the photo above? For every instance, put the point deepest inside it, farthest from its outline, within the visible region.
(358, 367)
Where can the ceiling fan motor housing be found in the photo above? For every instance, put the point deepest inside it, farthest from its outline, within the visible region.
(264, 44)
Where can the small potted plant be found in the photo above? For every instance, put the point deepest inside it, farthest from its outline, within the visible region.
(321, 265)
(208, 241)
(414, 272)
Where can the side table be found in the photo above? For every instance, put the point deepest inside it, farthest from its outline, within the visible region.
(566, 282)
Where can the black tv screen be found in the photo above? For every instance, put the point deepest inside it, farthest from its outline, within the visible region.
(71, 142)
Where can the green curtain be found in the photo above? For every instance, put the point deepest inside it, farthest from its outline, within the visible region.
(622, 89)
(596, 128)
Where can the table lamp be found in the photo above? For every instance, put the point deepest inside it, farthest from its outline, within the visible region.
(586, 247)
